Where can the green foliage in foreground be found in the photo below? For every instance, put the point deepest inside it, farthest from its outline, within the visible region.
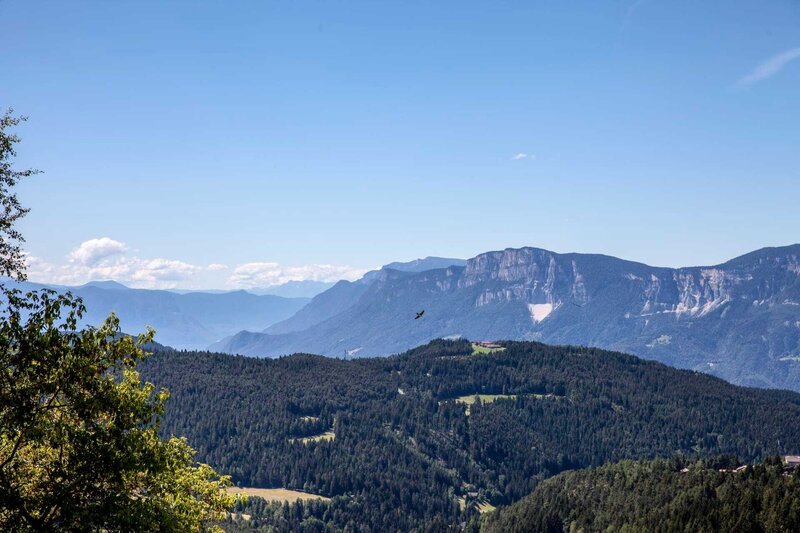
(79, 432)
(656, 496)
(12, 258)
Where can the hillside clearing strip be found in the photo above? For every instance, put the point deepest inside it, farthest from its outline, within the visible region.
(276, 495)
(483, 506)
(327, 436)
(484, 398)
(470, 399)
(477, 349)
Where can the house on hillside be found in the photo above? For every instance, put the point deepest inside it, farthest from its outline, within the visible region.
(490, 345)
(791, 461)
(737, 470)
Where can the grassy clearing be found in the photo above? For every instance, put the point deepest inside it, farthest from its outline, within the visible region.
(276, 495)
(480, 350)
(485, 398)
(469, 399)
(483, 506)
(327, 436)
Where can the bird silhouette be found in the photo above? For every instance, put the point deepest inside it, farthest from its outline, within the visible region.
(419, 315)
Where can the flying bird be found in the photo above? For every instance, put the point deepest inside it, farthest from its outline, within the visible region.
(419, 315)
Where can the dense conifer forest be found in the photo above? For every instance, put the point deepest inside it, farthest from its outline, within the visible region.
(660, 495)
(406, 455)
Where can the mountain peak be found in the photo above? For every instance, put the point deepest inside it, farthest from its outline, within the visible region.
(415, 266)
(105, 284)
(427, 263)
(788, 252)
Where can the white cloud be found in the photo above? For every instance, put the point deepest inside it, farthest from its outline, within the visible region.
(105, 259)
(94, 250)
(519, 156)
(133, 271)
(770, 67)
(253, 275)
(38, 267)
(158, 271)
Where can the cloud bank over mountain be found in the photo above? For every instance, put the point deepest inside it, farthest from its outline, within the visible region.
(104, 258)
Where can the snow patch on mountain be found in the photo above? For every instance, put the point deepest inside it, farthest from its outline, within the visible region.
(540, 311)
(663, 340)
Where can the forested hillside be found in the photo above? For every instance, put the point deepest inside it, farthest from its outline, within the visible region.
(658, 496)
(404, 447)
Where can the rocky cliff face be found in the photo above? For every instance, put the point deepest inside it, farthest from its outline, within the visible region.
(739, 320)
(535, 276)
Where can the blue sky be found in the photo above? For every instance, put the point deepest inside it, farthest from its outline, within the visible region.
(283, 140)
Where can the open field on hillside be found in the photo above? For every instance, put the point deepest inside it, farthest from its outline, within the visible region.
(469, 399)
(277, 495)
(328, 435)
(483, 506)
(477, 349)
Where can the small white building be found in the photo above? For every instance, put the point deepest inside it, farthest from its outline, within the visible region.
(791, 461)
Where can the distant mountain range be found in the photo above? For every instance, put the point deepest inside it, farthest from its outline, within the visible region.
(345, 294)
(290, 289)
(296, 289)
(739, 320)
(181, 320)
